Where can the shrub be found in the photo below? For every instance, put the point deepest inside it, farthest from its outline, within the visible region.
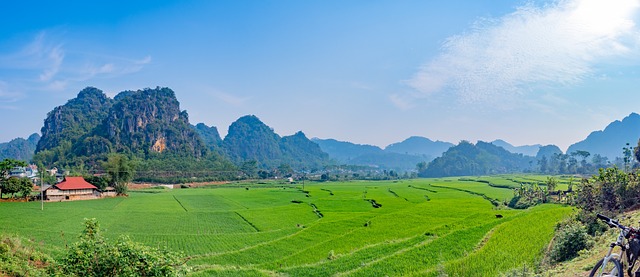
(591, 222)
(18, 259)
(94, 255)
(571, 237)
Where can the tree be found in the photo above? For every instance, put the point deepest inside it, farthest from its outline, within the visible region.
(421, 166)
(599, 161)
(121, 170)
(626, 151)
(5, 168)
(636, 151)
(583, 154)
(552, 184)
(249, 168)
(572, 165)
(285, 170)
(324, 177)
(46, 177)
(98, 181)
(22, 186)
(542, 162)
(263, 174)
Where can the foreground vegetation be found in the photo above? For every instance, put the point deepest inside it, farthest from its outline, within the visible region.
(414, 227)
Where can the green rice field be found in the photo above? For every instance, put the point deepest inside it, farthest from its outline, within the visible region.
(422, 227)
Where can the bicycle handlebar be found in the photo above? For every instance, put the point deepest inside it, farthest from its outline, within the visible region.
(612, 223)
(603, 217)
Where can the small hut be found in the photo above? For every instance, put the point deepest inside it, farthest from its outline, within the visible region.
(71, 188)
(109, 192)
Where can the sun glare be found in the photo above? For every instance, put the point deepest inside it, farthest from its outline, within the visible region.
(604, 17)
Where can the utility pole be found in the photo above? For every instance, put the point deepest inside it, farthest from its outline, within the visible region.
(41, 192)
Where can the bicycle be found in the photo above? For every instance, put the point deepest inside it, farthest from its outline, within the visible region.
(614, 263)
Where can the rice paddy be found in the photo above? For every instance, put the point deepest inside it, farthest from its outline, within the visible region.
(409, 227)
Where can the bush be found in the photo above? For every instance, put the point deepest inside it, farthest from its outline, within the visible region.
(571, 237)
(591, 222)
(94, 255)
(518, 202)
(18, 259)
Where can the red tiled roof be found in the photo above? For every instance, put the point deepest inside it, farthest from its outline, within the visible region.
(74, 183)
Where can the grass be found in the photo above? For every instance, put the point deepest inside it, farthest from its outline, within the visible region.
(422, 227)
(535, 228)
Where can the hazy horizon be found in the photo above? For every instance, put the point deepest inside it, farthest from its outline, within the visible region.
(367, 72)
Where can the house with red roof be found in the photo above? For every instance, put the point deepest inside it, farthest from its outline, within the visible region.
(71, 188)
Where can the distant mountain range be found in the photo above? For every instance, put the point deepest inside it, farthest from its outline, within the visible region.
(610, 141)
(483, 158)
(19, 148)
(529, 150)
(548, 151)
(401, 156)
(344, 152)
(419, 146)
(149, 125)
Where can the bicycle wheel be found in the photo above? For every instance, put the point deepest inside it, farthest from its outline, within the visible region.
(613, 269)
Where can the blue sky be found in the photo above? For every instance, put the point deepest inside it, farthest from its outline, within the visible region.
(369, 72)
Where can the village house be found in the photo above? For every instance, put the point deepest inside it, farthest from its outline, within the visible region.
(30, 172)
(72, 188)
(108, 192)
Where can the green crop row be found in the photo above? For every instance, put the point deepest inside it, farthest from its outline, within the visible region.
(418, 227)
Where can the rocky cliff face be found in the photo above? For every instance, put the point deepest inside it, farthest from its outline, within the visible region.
(151, 120)
(140, 122)
(149, 124)
(79, 116)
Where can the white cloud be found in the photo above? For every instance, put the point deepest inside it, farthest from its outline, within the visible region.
(144, 61)
(54, 60)
(106, 68)
(400, 101)
(558, 44)
(229, 98)
(57, 85)
(110, 67)
(48, 64)
(40, 55)
(8, 95)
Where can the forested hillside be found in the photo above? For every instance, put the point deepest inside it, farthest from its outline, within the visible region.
(249, 139)
(209, 135)
(68, 125)
(483, 158)
(145, 124)
(19, 148)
